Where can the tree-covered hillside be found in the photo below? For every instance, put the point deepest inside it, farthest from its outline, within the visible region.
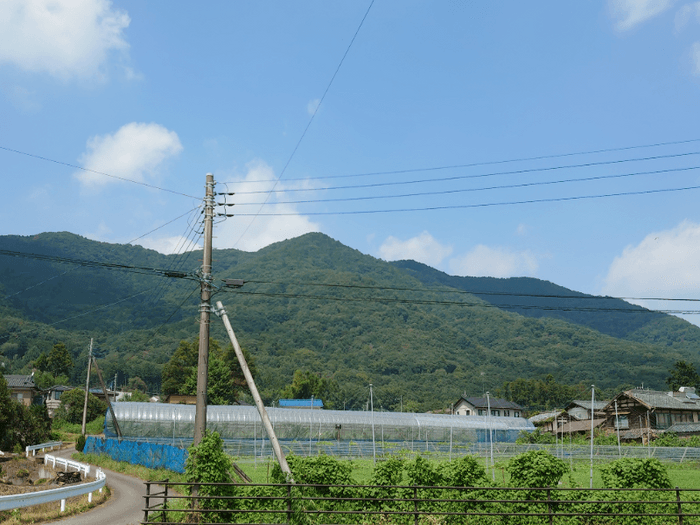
(310, 304)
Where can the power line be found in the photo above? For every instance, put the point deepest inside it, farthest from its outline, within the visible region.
(476, 176)
(460, 291)
(98, 264)
(482, 205)
(462, 303)
(313, 116)
(469, 190)
(88, 170)
(476, 164)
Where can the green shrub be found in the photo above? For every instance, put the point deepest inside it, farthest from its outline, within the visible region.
(80, 443)
(629, 473)
(536, 468)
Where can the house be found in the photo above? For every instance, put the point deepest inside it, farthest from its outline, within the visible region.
(548, 421)
(179, 399)
(581, 409)
(22, 388)
(52, 398)
(300, 403)
(641, 413)
(580, 427)
(478, 406)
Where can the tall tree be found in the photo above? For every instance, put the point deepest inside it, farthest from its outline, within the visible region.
(306, 384)
(59, 361)
(683, 374)
(226, 380)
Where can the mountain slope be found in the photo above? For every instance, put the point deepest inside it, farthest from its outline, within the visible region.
(310, 303)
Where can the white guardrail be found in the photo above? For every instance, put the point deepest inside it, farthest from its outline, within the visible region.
(46, 496)
(43, 446)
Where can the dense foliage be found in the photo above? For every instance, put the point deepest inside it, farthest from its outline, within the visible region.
(379, 323)
(21, 425)
(72, 404)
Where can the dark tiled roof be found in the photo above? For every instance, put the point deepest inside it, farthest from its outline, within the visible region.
(684, 428)
(481, 402)
(657, 399)
(16, 381)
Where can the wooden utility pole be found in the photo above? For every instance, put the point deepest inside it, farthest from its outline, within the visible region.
(87, 390)
(254, 392)
(200, 418)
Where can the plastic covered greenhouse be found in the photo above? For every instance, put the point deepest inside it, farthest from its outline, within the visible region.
(305, 431)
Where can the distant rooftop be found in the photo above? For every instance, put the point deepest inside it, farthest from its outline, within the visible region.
(300, 403)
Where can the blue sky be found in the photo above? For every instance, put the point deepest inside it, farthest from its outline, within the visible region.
(163, 92)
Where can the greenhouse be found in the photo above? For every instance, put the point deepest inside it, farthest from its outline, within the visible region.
(312, 431)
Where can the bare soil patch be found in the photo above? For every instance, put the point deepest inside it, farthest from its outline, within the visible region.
(19, 474)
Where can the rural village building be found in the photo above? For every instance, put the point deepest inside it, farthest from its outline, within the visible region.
(581, 409)
(643, 413)
(478, 406)
(22, 388)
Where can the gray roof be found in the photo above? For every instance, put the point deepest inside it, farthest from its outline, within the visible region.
(544, 416)
(599, 405)
(494, 402)
(20, 381)
(684, 428)
(656, 399)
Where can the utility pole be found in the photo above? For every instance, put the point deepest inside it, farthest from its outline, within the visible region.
(200, 418)
(87, 390)
(284, 467)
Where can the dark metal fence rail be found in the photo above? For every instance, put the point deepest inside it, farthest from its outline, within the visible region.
(413, 505)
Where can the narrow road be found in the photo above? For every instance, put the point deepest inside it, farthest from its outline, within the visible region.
(123, 508)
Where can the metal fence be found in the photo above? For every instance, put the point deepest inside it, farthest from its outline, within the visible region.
(413, 505)
(260, 449)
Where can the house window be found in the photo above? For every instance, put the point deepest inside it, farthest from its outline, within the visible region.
(466, 412)
(506, 413)
(481, 412)
(663, 420)
(622, 422)
(516, 414)
(495, 412)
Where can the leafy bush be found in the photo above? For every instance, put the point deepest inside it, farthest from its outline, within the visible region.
(536, 468)
(525, 437)
(72, 402)
(631, 473)
(80, 443)
(463, 472)
(208, 463)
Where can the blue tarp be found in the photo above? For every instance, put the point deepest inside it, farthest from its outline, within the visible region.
(149, 455)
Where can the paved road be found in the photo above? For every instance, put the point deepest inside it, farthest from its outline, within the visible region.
(123, 508)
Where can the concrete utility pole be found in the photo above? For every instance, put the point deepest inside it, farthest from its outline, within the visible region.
(200, 418)
(87, 389)
(254, 392)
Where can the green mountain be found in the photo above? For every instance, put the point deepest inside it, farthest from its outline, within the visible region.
(312, 303)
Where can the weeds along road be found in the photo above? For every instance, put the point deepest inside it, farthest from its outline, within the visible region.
(123, 508)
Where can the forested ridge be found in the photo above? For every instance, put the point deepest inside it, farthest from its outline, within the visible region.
(406, 328)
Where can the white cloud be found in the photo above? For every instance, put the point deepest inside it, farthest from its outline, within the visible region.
(485, 261)
(169, 245)
(423, 248)
(250, 233)
(312, 106)
(664, 264)
(136, 151)
(65, 38)
(522, 229)
(630, 13)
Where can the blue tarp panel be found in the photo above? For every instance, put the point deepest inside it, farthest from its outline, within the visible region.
(149, 455)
